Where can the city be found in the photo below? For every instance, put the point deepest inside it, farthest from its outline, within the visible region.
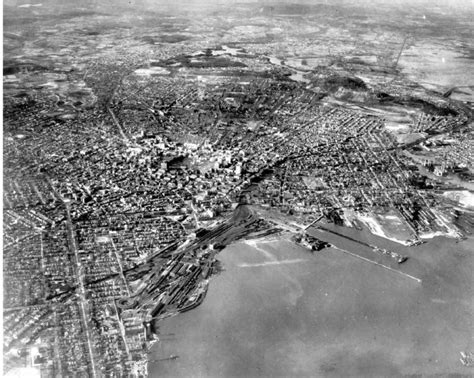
(125, 176)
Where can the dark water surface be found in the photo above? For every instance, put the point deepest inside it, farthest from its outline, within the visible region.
(279, 310)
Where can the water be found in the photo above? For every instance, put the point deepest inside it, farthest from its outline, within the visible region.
(279, 310)
(152, 71)
(297, 75)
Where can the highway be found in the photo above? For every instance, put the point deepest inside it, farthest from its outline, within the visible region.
(119, 262)
(82, 292)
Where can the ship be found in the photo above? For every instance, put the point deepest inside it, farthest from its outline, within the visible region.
(396, 256)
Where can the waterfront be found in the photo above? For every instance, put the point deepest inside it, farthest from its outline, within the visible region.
(142, 139)
(324, 314)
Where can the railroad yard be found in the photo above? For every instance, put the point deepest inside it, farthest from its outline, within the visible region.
(127, 171)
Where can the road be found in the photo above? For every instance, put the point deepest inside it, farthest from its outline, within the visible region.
(81, 291)
(119, 262)
(117, 123)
